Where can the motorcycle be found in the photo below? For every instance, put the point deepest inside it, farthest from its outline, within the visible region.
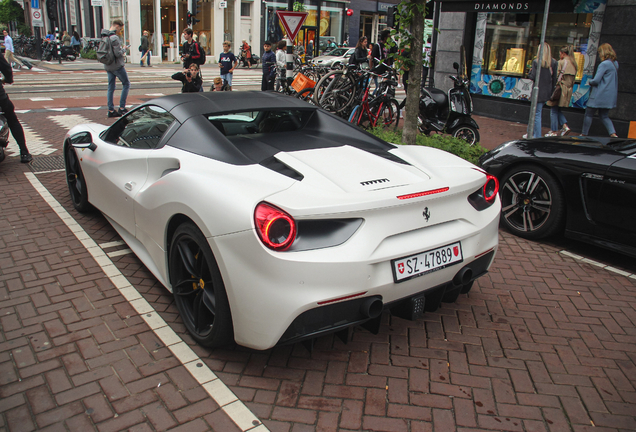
(50, 52)
(248, 63)
(450, 113)
(4, 136)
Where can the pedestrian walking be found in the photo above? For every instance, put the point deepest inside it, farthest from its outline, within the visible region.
(604, 90)
(66, 39)
(8, 50)
(281, 63)
(9, 111)
(565, 79)
(191, 49)
(547, 82)
(191, 79)
(76, 41)
(116, 69)
(227, 63)
(360, 57)
(269, 67)
(144, 48)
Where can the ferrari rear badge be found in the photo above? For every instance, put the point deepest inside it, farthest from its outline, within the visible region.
(426, 214)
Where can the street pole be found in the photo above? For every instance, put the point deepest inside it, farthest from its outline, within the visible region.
(57, 45)
(431, 81)
(290, 45)
(535, 89)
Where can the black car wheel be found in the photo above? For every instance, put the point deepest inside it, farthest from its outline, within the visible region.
(198, 288)
(467, 133)
(532, 202)
(75, 181)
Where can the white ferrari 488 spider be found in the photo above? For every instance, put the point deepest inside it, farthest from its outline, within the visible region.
(273, 221)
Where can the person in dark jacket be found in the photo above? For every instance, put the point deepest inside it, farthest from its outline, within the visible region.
(9, 112)
(191, 49)
(269, 67)
(547, 82)
(191, 79)
(116, 70)
(145, 45)
(604, 90)
(361, 55)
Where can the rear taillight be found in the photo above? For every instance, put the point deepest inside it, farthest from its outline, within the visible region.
(486, 195)
(491, 188)
(275, 227)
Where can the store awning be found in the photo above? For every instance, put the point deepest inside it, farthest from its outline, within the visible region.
(525, 6)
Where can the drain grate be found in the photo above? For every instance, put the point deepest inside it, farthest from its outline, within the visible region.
(47, 163)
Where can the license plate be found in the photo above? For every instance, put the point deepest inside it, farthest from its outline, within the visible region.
(426, 262)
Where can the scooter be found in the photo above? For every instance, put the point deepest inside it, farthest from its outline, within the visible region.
(450, 113)
(50, 52)
(248, 63)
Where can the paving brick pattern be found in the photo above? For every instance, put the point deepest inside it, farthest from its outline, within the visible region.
(541, 343)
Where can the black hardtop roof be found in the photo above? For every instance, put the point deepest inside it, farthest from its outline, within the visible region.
(186, 105)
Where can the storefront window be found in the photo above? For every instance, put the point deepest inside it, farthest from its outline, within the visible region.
(512, 40)
(506, 44)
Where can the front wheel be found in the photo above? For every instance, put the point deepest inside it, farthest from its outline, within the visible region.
(466, 132)
(390, 114)
(307, 95)
(198, 288)
(75, 181)
(532, 203)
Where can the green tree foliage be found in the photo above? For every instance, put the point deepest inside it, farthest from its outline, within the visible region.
(409, 35)
(11, 11)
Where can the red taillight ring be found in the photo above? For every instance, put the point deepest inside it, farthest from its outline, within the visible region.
(490, 192)
(265, 216)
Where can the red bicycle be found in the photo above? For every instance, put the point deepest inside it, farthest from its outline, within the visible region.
(382, 109)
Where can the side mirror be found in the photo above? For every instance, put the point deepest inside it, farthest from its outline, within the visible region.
(83, 140)
(456, 66)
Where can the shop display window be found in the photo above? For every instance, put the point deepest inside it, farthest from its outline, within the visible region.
(512, 40)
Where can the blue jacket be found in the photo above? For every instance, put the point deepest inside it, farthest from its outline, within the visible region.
(269, 63)
(604, 86)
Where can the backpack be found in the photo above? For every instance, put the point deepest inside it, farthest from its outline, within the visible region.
(201, 60)
(105, 52)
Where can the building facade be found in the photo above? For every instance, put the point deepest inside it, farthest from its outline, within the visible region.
(501, 38)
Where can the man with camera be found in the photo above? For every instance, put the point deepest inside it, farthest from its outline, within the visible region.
(191, 79)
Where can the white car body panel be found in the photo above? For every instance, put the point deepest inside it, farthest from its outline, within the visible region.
(140, 191)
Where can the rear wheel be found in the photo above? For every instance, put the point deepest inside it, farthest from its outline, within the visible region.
(532, 203)
(467, 133)
(198, 288)
(335, 91)
(390, 114)
(75, 181)
(307, 95)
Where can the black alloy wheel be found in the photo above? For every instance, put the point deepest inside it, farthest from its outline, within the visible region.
(198, 288)
(532, 202)
(75, 180)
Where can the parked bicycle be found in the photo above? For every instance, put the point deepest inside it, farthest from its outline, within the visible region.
(381, 109)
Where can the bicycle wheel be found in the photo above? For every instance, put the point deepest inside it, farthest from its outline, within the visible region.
(389, 114)
(335, 91)
(307, 95)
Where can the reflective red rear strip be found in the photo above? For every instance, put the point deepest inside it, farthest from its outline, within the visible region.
(419, 194)
(341, 298)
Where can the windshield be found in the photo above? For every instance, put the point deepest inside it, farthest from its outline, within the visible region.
(338, 52)
(262, 121)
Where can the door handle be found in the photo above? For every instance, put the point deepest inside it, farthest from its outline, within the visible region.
(129, 186)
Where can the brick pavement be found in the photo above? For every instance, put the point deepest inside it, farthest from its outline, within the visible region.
(541, 343)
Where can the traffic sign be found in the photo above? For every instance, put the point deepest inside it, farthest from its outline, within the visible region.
(36, 18)
(292, 22)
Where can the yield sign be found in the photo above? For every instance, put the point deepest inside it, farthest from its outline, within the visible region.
(292, 22)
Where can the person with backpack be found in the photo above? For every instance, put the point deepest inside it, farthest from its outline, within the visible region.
(192, 52)
(111, 53)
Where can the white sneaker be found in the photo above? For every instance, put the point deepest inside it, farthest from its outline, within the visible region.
(525, 136)
(551, 134)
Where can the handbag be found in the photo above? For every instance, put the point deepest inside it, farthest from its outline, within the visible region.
(139, 48)
(556, 94)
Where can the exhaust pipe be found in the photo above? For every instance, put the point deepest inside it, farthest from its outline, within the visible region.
(371, 307)
(463, 277)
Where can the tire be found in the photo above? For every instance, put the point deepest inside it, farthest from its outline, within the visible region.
(466, 132)
(307, 95)
(532, 202)
(390, 114)
(335, 91)
(70, 57)
(76, 181)
(198, 288)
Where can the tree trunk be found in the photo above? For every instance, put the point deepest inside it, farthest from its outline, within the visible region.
(412, 108)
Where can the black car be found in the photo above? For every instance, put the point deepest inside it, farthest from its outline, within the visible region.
(584, 187)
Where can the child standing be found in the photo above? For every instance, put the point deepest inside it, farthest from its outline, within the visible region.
(269, 67)
(227, 63)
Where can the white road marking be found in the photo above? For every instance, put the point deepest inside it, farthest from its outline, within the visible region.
(155, 94)
(598, 264)
(222, 395)
(118, 253)
(68, 121)
(112, 244)
(35, 144)
(41, 99)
